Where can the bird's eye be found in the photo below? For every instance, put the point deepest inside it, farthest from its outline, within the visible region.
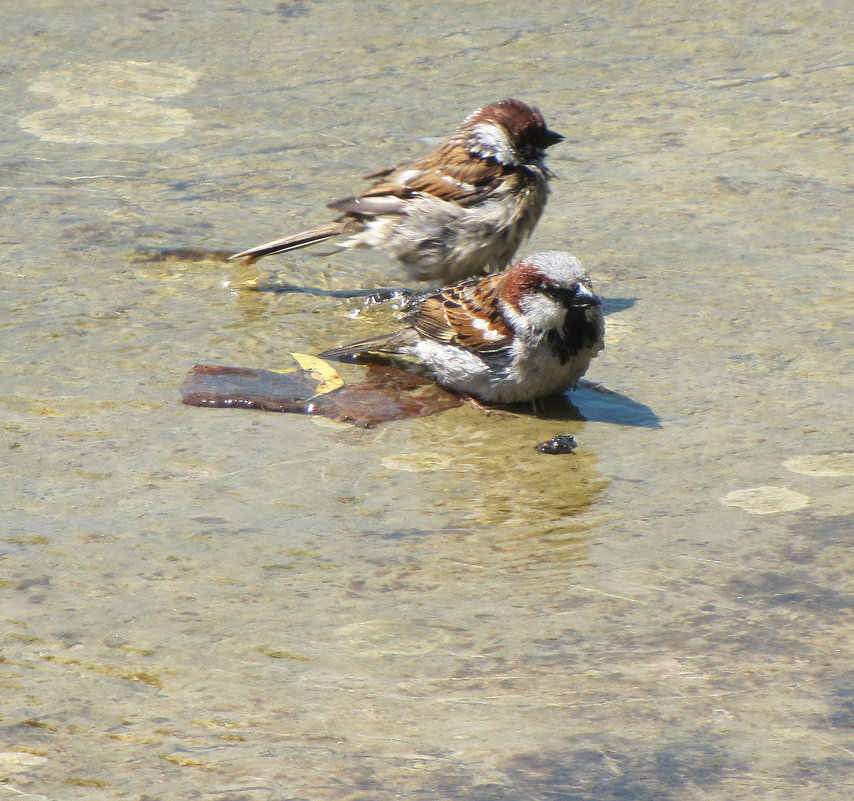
(558, 293)
(577, 296)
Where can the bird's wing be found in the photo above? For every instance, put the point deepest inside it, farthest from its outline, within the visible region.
(451, 174)
(465, 314)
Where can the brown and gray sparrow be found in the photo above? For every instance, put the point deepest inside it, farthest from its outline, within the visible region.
(518, 335)
(459, 211)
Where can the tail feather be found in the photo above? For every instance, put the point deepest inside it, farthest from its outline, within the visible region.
(386, 343)
(293, 242)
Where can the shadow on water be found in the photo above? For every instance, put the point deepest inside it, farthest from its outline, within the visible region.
(614, 305)
(594, 403)
(386, 394)
(256, 281)
(371, 296)
(382, 294)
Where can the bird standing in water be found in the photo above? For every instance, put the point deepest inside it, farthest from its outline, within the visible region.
(459, 211)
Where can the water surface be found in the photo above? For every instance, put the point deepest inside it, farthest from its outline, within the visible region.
(236, 605)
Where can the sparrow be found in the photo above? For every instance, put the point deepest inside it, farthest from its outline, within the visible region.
(457, 212)
(518, 335)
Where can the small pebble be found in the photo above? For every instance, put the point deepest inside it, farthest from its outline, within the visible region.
(559, 443)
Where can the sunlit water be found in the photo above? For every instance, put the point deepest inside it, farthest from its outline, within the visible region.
(237, 605)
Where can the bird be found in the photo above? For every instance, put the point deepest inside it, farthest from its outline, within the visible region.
(459, 211)
(518, 335)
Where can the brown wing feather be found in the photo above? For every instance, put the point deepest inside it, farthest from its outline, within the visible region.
(371, 204)
(380, 173)
(383, 188)
(465, 314)
(431, 320)
(453, 174)
(450, 173)
(446, 186)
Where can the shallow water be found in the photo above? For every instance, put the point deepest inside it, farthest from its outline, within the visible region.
(235, 605)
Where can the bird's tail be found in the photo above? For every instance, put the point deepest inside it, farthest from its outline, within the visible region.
(385, 343)
(294, 242)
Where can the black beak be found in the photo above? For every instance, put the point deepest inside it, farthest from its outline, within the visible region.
(551, 138)
(583, 298)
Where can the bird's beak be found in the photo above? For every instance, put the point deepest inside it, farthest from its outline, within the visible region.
(552, 138)
(583, 298)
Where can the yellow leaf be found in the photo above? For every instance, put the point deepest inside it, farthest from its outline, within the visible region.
(321, 371)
